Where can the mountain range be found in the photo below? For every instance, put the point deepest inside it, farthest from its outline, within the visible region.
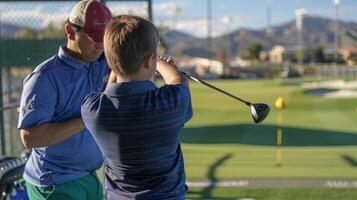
(316, 31)
(8, 30)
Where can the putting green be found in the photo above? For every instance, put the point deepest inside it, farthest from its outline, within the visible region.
(222, 142)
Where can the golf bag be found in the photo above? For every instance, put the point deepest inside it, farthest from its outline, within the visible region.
(11, 171)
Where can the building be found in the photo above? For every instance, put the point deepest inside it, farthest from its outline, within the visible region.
(279, 54)
(349, 55)
(204, 67)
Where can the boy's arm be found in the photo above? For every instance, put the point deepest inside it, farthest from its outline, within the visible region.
(170, 73)
(50, 133)
(168, 70)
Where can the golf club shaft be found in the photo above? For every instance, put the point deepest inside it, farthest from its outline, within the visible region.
(215, 88)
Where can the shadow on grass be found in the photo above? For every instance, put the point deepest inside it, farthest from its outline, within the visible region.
(265, 135)
(212, 198)
(206, 193)
(350, 160)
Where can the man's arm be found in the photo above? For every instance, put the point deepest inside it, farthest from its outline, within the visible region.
(50, 133)
(170, 73)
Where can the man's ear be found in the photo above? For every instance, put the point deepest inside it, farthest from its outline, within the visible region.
(69, 31)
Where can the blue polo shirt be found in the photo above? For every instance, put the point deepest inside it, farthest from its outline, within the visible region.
(137, 127)
(52, 93)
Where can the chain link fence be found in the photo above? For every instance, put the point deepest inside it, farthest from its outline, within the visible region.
(336, 72)
(31, 32)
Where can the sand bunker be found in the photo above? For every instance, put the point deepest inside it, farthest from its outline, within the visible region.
(332, 89)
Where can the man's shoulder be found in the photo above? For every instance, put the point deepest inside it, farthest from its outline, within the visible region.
(44, 70)
(48, 65)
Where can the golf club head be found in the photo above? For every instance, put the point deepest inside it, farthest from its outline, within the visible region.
(259, 111)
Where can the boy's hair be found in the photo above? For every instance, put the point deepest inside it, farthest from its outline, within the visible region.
(127, 40)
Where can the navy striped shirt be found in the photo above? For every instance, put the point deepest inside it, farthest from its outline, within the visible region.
(137, 126)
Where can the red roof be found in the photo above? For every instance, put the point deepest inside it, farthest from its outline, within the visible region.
(350, 50)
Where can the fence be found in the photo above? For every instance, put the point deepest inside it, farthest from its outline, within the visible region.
(11, 89)
(336, 72)
(30, 32)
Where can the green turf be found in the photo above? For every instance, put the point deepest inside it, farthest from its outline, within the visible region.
(271, 194)
(222, 142)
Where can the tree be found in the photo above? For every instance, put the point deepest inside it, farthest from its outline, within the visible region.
(50, 32)
(163, 46)
(222, 56)
(318, 54)
(302, 55)
(26, 33)
(245, 55)
(254, 51)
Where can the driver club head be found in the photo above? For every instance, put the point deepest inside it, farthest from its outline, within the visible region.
(259, 111)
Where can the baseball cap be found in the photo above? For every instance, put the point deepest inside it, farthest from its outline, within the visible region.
(92, 16)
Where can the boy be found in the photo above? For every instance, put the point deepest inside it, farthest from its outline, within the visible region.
(136, 124)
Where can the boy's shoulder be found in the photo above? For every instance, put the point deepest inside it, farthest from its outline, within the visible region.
(91, 101)
(178, 89)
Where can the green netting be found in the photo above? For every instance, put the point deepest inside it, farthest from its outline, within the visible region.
(30, 31)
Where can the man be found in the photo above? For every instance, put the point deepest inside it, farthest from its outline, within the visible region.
(136, 124)
(65, 157)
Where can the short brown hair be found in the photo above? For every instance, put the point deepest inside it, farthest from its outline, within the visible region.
(127, 40)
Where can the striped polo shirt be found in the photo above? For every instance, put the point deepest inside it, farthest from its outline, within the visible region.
(137, 127)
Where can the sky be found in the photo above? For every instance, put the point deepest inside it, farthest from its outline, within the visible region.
(190, 15)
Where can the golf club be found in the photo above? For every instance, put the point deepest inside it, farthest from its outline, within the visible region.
(259, 111)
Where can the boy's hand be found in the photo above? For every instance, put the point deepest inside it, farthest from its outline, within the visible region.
(168, 59)
(163, 60)
(168, 70)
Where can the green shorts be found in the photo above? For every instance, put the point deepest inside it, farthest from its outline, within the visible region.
(86, 188)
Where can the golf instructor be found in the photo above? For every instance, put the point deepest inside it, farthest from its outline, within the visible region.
(65, 157)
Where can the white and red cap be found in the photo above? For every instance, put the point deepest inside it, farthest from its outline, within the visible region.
(92, 16)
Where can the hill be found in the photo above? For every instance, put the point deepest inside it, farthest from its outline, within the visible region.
(8, 30)
(316, 31)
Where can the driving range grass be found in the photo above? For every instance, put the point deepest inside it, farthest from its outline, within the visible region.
(221, 142)
(271, 194)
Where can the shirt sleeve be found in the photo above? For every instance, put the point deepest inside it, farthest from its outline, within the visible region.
(188, 104)
(89, 107)
(183, 93)
(38, 100)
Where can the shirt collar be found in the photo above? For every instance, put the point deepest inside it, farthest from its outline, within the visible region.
(129, 88)
(69, 60)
